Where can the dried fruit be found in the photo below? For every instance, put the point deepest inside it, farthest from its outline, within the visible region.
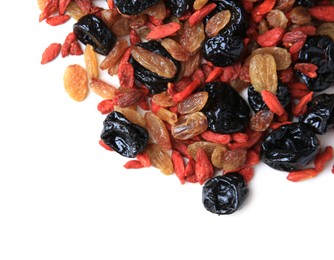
(92, 66)
(160, 159)
(50, 53)
(76, 82)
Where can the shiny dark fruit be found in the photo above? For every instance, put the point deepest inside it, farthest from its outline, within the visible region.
(224, 194)
(152, 80)
(226, 111)
(256, 102)
(179, 7)
(290, 147)
(132, 7)
(223, 50)
(305, 3)
(320, 113)
(318, 50)
(238, 21)
(122, 136)
(90, 29)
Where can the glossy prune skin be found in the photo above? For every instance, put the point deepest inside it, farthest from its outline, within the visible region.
(133, 7)
(320, 113)
(318, 50)
(305, 3)
(226, 111)
(256, 102)
(290, 147)
(179, 7)
(237, 24)
(90, 29)
(224, 194)
(223, 50)
(154, 82)
(122, 136)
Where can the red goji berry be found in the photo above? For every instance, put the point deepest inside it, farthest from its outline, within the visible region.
(216, 138)
(51, 52)
(111, 4)
(133, 164)
(126, 75)
(178, 164)
(50, 8)
(134, 37)
(76, 48)
(247, 173)
(239, 137)
(203, 167)
(187, 91)
(308, 30)
(106, 106)
(301, 175)
(261, 9)
(272, 102)
(322, 158)
(66, 47)
(144, 159)
(323, 13)
(308, 69)
(57, 20)
(215, 73)
(63, 5)
(163, 31)
(301, 107)
(200, 14)
(155, 21)
(270, 38)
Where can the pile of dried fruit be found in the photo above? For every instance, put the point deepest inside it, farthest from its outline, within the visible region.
(182, 65)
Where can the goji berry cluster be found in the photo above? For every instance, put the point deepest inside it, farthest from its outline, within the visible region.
(182, 67)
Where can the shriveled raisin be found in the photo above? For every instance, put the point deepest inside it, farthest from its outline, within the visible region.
(76, 82)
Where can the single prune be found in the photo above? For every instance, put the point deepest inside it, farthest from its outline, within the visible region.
(320, 113)
(223, 50)
(305, 3)
(237, 24)
(318, 50)
(256, 102)
(179, 7)
(224, 194)
(290, 147)
(226, 111)
(122, 136)
(90, 29)
(154, 82)
(132, 7)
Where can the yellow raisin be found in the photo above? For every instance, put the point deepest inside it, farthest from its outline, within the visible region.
(76, 82)
(91, 62)
(159, 158)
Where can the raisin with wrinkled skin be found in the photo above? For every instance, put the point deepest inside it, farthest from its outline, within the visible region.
(132, 7)
(290, 147)
(154, 82)
(90, 29)
(223, 50)
(179, 7)
(237, 24)
(320, 113)
(224, 194)
(122, 136)
(256, 102)
(318, 50)
(226, 111)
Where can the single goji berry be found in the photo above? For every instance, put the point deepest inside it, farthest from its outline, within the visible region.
(163, 31)
(76, 48)
(216, 138)
(261, 9)
(63, 5)
(187, 91)
(322, 158)
(270, 38)
(272, 102)
(51, 52)
(308, 69)
(126, 75)
(323, 13)
(133, 164)
(301, 175)
(301, 107)
(178, 164)
(203, 166)
(66, 47)
(105, 146)
(106, 106)
(200, 14)
(57, 20)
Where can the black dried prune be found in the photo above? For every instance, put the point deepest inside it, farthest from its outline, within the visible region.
(226, 111)
(290, 147)
(237, 24)
(122, 136)
(256, 102)
(223, 50)
(133, 7)
(320, 113)
(179, 7)
(90, 29)
(318, 50)
(305, 3)
(152, 80)
(224, 194)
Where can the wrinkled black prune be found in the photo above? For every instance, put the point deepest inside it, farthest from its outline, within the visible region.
(224, 194)
(152, 80)
(223, 50)
(256, 102)
(226, 111)
(305, 3)
(318, 50)
(290, 147)
(237, 24)
(90, 29)
(320, 113)
(122, 136)
(132, 7)
(179, 7)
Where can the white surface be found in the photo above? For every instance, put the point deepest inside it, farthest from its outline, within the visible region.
(62, 196)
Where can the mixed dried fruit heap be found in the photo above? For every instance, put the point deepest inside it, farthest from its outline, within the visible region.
(183, 66)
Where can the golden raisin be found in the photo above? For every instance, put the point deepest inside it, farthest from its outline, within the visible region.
(217, 22)
(91, 62)
(76, 82)
(159, 158)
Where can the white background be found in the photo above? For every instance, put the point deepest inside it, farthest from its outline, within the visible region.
(62, 196)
